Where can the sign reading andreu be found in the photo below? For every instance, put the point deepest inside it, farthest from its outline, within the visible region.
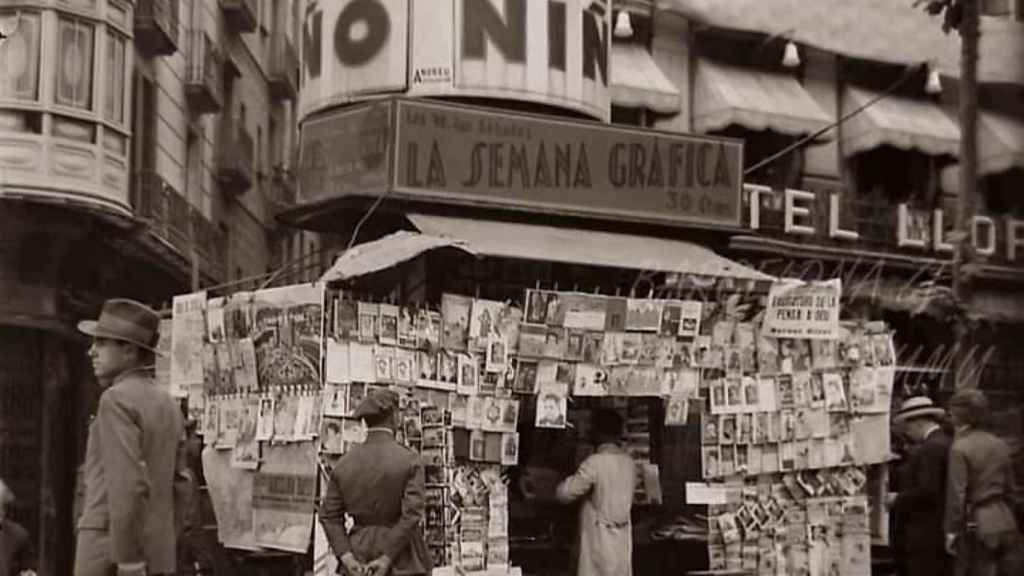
(474, 156)
(553, 52)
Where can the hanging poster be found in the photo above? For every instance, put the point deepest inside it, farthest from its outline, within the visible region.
(162, 369)
(803, 310)
(187, 331)
(231, 494)
(283, 497)
(288, 335)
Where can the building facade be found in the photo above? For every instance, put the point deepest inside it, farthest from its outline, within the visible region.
(145, 151)
(847, 112)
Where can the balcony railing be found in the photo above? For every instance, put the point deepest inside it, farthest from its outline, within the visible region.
(211, 246)
(282, 190)
(284, 68)
(163, 208)
(204, 86)
(179, 224)
(240, 15)
(156, 27)
(235, 159)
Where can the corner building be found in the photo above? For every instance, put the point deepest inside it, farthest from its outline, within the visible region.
(145, 151)
(869, 199)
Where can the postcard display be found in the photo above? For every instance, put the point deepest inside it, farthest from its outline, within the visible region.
(453, 376)
(788, 428)
(251, 365)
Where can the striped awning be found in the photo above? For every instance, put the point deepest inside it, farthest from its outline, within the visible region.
(898, 122)
(638, 82)
(727, 95)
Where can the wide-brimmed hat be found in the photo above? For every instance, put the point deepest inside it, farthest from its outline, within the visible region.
(127, 321)
(918, 407)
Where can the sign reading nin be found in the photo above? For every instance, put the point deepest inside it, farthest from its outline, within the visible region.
(553, 52)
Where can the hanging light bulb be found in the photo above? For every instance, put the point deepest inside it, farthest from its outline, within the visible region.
(934, 83)
(623, 26)
(791, 56)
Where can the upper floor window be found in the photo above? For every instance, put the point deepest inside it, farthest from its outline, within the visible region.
(113, 106)
(19, 57)
(74, 63)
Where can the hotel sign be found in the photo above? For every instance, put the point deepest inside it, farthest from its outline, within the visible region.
(474, 156)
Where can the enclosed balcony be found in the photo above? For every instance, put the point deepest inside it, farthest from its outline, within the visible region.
(284, 68)
(204, 85)
(240, 15)
(235, 159)
(156, 27)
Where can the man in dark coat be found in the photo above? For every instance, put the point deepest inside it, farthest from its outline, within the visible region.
(380, 484)
(920, 501)
(981, 496)
(16, 558)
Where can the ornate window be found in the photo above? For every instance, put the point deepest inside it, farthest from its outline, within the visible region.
(114, 80)
(19, 57)
(74, 67)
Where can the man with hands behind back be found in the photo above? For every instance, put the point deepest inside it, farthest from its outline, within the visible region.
(380, 484)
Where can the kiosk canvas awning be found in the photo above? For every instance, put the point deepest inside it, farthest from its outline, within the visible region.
(899, 122)
(577, 246)
(638, 82)
(534, 242)
(756, 100)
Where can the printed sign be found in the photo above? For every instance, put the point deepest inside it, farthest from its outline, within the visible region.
(352, 48)
(476, 156)
(551, 52)
(554, 53)
(345, 152)
(803, 310)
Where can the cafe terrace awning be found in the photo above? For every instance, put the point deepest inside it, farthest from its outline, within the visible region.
(534, 242)
(753, 99)
(1000, 143)
(638, 82)
(899, 122)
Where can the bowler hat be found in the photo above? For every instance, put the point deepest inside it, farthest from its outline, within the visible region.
(917, 407)
(127, 321)
(378, 402)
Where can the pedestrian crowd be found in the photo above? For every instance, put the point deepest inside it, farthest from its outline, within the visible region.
(956, 505)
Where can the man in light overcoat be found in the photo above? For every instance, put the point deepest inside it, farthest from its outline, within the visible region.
(604, 483)
(135, 456)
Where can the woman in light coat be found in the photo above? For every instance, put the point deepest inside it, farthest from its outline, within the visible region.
(605, 483)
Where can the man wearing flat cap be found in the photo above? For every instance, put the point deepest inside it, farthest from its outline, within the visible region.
(379, 483)
(920, 500)
(981, 495)
(134, 461)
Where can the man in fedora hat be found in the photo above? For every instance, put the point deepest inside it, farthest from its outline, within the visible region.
(920, 501)
(380, 484)
(135, 451)
(981, 497)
